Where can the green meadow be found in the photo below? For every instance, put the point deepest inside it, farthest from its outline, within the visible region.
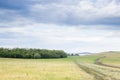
(70, 68)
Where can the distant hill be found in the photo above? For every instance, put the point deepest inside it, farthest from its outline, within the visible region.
(85, 53)
(112, 54)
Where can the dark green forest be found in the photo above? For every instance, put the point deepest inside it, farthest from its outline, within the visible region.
(31, 53)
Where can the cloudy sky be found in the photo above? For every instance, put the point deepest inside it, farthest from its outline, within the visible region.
(69, 25)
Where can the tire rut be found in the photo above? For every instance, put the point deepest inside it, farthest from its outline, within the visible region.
(97, 75)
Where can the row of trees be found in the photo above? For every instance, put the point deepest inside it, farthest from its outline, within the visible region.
(31, 53)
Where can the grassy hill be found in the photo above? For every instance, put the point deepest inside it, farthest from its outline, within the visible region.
(111, 57)
(109, 54)
(70, 68)
(107, 67)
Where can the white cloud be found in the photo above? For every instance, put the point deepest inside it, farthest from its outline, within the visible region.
(45, 26)
(68, 38)
(83, 12)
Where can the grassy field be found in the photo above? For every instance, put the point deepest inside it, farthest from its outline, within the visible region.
(71, 68)
(101, 72)
(41, 69)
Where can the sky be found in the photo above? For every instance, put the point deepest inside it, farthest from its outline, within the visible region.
(69, 25)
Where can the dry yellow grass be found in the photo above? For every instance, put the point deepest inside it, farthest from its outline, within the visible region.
(112, 72)
(56, 69)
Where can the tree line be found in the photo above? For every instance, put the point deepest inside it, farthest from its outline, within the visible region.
(31, 53)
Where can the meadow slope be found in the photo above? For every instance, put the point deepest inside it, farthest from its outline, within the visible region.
(71, 68)
(41, 69)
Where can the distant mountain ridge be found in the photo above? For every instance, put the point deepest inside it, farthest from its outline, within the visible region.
(85, 53)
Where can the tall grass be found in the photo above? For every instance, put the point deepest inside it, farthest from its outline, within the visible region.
(43, 69)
